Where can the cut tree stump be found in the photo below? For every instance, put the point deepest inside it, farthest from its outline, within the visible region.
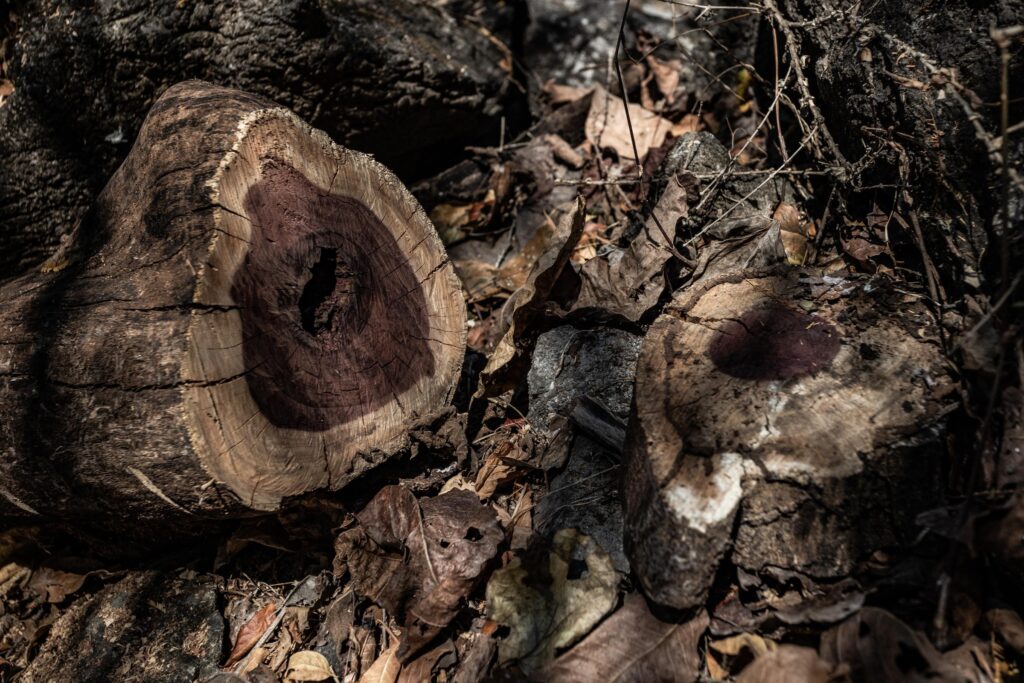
(249, 312)
(783, 416)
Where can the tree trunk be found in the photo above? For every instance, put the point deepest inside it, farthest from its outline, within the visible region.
(402, 80)
(786, 414)
(249, 312)
(905, 99)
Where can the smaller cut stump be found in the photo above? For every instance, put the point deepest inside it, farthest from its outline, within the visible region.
(788, 416)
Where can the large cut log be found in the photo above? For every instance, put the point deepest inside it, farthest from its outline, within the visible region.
(408, 81)
(783, 416)
(249, 312)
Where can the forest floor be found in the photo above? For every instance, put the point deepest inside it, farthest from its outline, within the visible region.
(537, 584)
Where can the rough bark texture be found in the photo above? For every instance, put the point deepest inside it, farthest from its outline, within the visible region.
(147, 627)
(402, 80)
(786, 414)
(249, 312)
(903, 89)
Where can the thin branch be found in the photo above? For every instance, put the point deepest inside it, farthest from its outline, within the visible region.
(750, 194)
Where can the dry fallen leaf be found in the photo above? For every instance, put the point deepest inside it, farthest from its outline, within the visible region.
(307, 665)
(691, 123)
(455, 222)
(795, 232)
(607, 126)
(54, 584)
(527, 303)
(548, 608)
(787, 663)
(876, 646)
(479, 280)
(724, 654)
(501, 463)
(563, 151)
(6, 90)
(255, 661)
(628, 282)
(423, 668)
(633, 646)
(278, 652)
(251, 632)
(419, 559)
(1009, 626)
(385, 669)
(563, 94)
(666, 75)
(483, 281)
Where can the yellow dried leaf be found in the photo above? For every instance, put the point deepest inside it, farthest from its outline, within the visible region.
(307, 665)
(721, 653)
(385, 669)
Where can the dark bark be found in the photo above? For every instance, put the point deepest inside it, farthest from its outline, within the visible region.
(904, 89)
(147, 627)
(402, 80)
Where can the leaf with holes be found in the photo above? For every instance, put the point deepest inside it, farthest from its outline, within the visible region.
(876, 646)
(419, 559)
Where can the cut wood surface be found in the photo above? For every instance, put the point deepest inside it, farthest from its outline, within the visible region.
(783, 416)
(249, 312)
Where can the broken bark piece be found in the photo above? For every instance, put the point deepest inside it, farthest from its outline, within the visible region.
(791, 417)
(147, 627)
(251, 312)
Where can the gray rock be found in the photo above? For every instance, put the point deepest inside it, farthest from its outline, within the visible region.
(568, 364)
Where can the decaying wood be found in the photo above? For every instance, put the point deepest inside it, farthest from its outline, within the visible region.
(784, 414)
(249, 312)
